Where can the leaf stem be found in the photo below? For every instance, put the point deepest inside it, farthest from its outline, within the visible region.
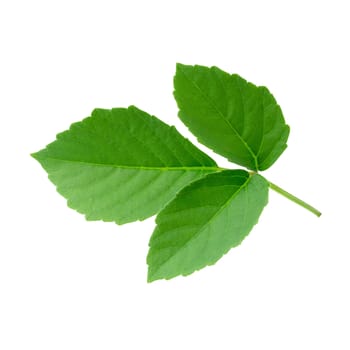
(294, 199)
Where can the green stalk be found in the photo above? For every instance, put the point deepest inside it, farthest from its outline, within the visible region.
(294, 199)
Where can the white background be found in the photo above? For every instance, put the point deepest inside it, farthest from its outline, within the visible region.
(66, 283)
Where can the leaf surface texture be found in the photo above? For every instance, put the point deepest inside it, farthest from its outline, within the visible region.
(122, 164)
(233, 117)
(204, 221)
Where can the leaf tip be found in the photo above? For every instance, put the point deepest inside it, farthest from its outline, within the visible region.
(153, 273)
(150, 277)
(37, 155)
(34, 155)
(181, 67)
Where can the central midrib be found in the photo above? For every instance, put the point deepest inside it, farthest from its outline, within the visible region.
(135, 167)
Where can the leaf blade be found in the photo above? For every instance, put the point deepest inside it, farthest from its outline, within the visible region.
(204, 221)
(234, 118)
(122, 164)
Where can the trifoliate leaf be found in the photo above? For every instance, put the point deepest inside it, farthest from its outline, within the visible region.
(204, 221)
(234, 118)
(122, 164)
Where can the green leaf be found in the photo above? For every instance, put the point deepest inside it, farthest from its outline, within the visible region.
(204, 221)
(122, 164)
(234, 118)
